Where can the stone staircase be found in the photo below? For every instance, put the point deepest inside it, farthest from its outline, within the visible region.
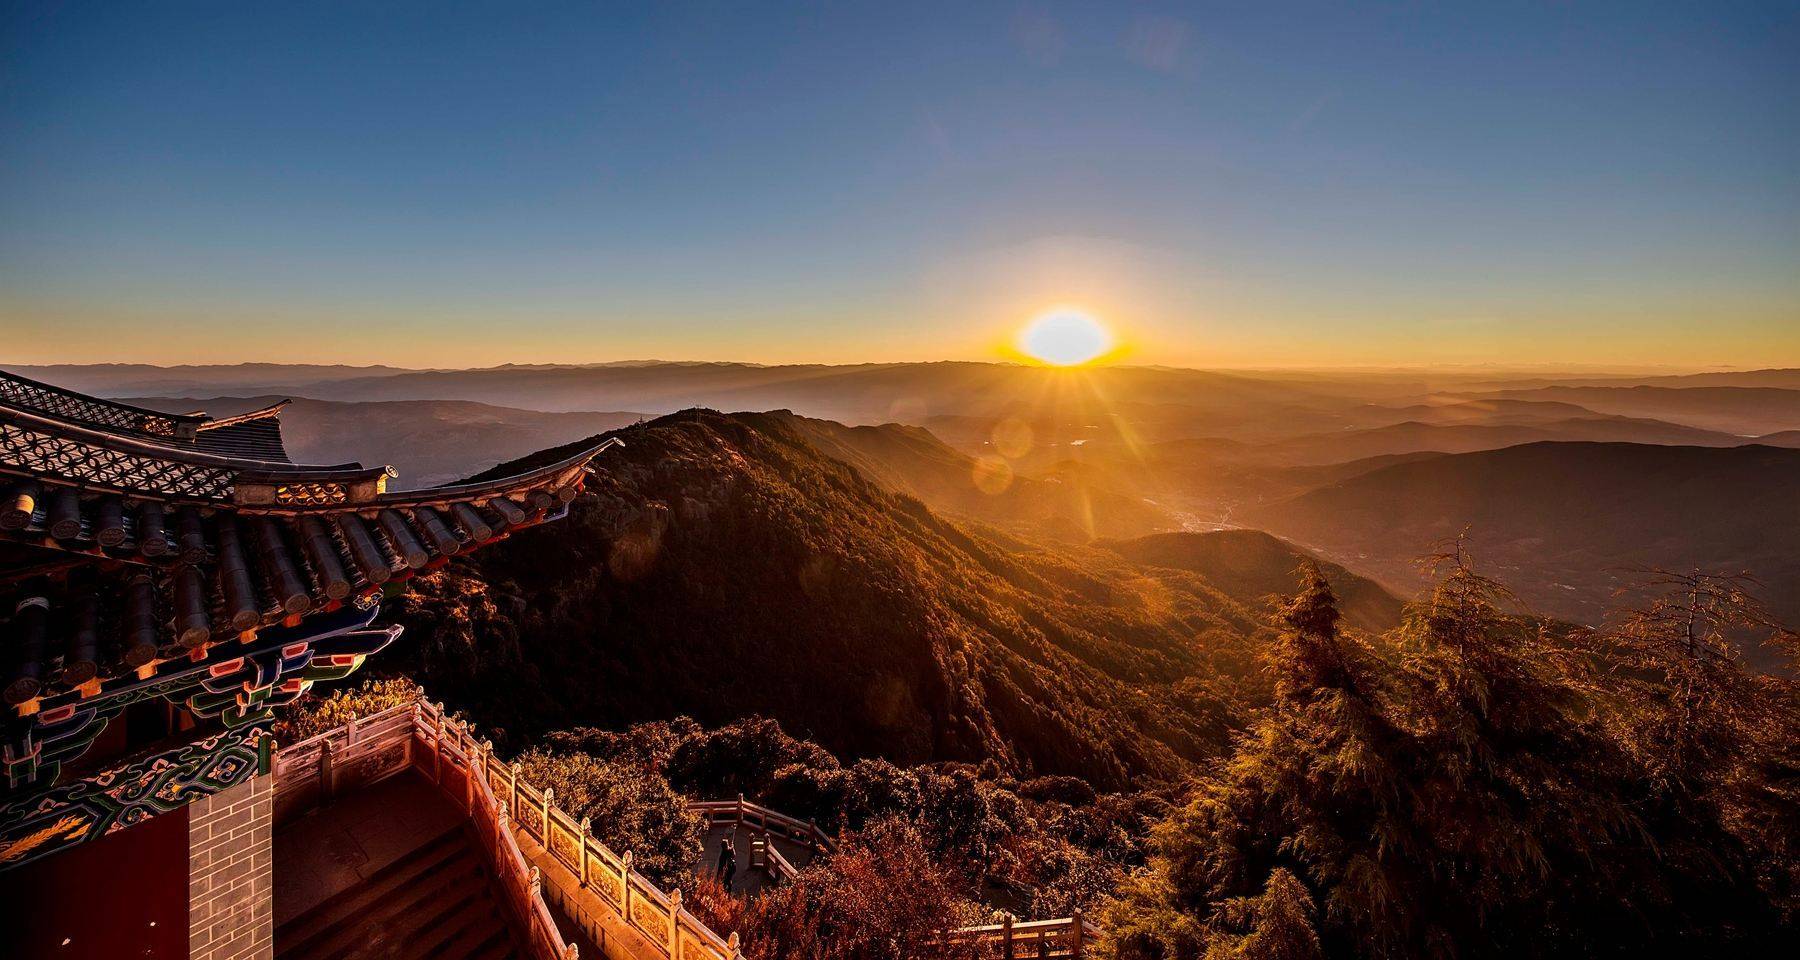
(433, 902)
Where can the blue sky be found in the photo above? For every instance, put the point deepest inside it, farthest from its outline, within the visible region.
(1226, 184)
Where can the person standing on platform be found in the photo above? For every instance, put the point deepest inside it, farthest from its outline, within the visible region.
(727, 863)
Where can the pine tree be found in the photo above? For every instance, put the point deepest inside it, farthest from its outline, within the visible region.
(1718, 749)
(1308, 792)
(1690, 705)
(1280, 922)
(1514, 783)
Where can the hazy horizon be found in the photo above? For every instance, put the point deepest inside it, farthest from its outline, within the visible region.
(1496, 367)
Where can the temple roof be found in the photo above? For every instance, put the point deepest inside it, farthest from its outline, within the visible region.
(130, 537)
(255, 435)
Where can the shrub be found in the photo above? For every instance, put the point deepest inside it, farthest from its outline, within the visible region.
(630, 809)
(312, 715)
(881, 896)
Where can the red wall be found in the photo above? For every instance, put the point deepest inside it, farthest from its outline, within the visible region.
(124, 895)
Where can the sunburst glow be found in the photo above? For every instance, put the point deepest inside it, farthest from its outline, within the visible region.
(1065, 338)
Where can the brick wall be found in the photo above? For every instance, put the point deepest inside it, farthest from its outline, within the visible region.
(230, 907)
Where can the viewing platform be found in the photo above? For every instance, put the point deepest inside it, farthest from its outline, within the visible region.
(771, 847)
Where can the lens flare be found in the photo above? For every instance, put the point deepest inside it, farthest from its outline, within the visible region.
(1065, 338)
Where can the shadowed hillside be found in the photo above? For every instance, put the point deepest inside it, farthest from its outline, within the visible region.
(1417, 437)
(722, 566)
(1564, 522)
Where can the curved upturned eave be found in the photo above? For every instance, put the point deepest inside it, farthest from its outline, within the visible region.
(554, 474)
(259, 414)
(556, 478)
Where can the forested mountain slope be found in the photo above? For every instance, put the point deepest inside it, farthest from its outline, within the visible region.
(722, 566)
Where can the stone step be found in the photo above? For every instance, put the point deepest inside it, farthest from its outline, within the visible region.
(434, 902)
(321, 920)
(478, 934)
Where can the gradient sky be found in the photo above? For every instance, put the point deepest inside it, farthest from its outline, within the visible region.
(1227, 184)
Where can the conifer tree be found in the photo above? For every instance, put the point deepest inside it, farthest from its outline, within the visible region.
(1307, 793)
(1718, 748)
(1284, 922)
(1690, 706)
(1515, 786)
(1280, 922)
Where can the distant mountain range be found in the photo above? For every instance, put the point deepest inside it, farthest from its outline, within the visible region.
(1747, 411)
(1417, 437)
(1565, 524)
(1785, 377)
(1368, 466)
(962, 403)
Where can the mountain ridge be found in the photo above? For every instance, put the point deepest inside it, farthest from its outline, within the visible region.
(867, 621)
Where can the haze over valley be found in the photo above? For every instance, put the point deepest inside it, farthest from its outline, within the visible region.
(1569, 489)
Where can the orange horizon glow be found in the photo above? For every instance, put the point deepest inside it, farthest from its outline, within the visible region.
(986, 329)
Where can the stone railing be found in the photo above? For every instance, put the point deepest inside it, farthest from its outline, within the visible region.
(597, 888)
(419, 735)
(743, 813)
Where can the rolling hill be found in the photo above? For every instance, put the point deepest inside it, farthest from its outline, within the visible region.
(1466, 437)
(1250, 563)
(1742, 410)
(1564, 524)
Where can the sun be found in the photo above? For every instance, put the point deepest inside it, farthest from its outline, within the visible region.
(1065, 337)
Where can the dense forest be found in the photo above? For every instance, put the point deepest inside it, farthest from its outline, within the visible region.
(1134, 727)
(1474, 784)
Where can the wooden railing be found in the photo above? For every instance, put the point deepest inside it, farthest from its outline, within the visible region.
(743, 813)
(1028, 939)
(1010, 939)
